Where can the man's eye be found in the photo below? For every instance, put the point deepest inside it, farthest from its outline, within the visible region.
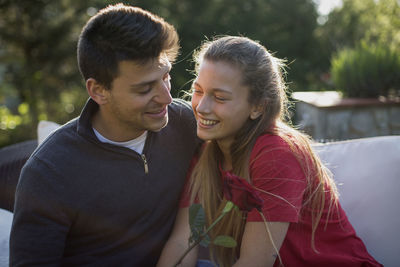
(145, 91)
(197, 92)
(219, 98)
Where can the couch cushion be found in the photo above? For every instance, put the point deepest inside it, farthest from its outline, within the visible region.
(367, 173)
(5, 227)
(12, 158)
(45, 128)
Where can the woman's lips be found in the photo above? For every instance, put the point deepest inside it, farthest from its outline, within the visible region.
(206, 123)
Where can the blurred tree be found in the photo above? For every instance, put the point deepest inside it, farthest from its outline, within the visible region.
(38, 45)
(283, 26)
(367, 71)
(385, 27)
(347, 25)
(371, 21)
(38, 57)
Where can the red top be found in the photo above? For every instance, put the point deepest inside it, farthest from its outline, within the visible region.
(276, 171)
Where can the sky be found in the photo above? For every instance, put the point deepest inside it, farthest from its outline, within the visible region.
(325, 6)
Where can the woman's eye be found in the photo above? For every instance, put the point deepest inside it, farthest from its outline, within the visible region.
(167, 77)
(197, 92)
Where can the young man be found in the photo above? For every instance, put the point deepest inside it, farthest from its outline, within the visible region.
(103, 190)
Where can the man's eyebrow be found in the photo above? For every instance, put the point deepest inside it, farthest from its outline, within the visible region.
(214, 89)
(138, 85)
(141, 84)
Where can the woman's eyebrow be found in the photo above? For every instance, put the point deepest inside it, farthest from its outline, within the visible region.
(214, 89)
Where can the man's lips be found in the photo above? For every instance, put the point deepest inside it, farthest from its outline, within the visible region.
(158, 113)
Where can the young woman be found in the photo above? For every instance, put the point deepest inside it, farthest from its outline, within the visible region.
(239, 101)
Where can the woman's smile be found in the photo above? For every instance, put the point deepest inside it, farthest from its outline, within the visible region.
(219, 101)
(207, 123)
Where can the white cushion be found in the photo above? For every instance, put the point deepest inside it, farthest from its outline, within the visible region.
(5, 227)
(367, 173)
(44, 129)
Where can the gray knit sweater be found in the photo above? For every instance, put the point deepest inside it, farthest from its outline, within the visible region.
(83, 202)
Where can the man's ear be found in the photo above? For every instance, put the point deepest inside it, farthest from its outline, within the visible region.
(257, 111)
(96, 91)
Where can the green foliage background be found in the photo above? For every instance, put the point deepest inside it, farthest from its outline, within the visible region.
(39, 78)
(367, 71)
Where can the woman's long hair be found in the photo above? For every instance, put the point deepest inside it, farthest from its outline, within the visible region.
(262, 73)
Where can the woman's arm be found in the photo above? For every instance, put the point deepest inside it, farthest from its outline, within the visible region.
(257, 249)
(275, 171)
(178, 242)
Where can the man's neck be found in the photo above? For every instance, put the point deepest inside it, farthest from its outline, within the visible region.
(113, 132)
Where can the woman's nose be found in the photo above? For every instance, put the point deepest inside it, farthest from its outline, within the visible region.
(204, 105)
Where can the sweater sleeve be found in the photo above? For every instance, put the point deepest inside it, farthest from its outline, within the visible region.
(40, 223)
(276, 172)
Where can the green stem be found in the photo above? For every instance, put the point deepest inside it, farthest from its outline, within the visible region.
(202, 236)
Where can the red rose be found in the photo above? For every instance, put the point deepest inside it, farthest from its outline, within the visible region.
(240, 192)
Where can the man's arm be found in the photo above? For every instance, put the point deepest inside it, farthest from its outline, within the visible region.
(40, 223)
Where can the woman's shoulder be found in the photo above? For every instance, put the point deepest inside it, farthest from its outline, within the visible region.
(269, 141)
(275, 150)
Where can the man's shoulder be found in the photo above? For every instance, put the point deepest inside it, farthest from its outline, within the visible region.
(180, 111)
(181, 105)
(58, 140)
(181, 121)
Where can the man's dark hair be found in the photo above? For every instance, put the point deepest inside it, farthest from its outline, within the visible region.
(121, 32)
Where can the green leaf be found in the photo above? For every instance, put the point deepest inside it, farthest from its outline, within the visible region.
(195, 235)
(197, 219)
(228, 206)
(225, 241)
(206, 241)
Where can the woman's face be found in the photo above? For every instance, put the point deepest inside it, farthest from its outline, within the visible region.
(220, 102)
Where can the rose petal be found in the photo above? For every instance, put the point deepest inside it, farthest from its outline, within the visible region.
(240, 192)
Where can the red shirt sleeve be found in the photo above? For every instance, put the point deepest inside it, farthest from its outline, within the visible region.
(276, 172)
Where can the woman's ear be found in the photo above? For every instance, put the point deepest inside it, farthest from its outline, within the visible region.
(257, 111)
(96, 91)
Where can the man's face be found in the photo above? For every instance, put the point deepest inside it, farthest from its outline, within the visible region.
(138, 99)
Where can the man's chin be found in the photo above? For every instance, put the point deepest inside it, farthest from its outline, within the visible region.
(159, 127)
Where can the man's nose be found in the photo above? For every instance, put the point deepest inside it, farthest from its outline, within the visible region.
(164, 93)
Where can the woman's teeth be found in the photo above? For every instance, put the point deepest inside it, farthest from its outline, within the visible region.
(208, 122)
